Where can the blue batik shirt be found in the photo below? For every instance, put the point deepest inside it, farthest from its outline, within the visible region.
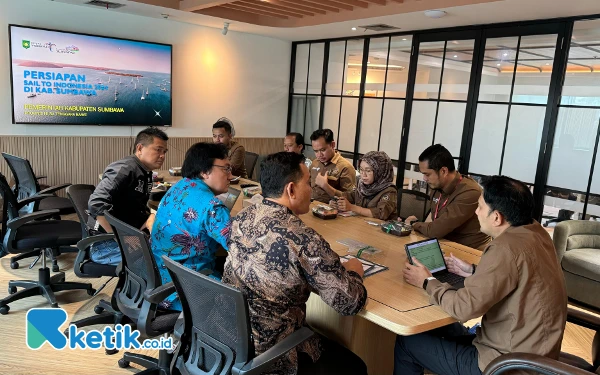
(190, 222)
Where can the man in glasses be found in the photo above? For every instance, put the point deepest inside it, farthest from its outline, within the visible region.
(191, 222)
(340, 173)
(124, 192)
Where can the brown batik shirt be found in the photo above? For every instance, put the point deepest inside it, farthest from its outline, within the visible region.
(277, 261)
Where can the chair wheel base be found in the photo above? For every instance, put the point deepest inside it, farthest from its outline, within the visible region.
(12, 289)
(98, 310)
(54, 305)
(111, 352)
(55, 268)
(91, 292)
(123, 363)
(4, 310)
(14, 265)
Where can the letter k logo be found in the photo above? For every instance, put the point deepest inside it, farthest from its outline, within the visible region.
(44, 325)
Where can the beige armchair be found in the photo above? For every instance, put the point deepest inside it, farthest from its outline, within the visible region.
(577, 245)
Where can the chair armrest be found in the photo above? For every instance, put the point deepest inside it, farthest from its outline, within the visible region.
(38, 197)
(86, 242)
(83, 254)
(584, 319)
(157, 295)
(16, 223)
(262, 362)
(531, 362)
(52, 189)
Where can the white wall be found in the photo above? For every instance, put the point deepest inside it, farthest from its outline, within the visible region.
(242, 76)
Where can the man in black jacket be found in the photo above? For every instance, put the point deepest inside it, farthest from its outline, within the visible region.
(124, 192)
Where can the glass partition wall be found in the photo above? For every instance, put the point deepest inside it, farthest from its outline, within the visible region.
(521, 100)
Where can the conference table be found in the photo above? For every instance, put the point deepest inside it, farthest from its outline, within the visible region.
(393, 306)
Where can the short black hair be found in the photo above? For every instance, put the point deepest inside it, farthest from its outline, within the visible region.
(278, 170)
(325, 133)
(437, 157)
(222, 125)
(146, 136)
(298, 138)
(200, 158)
(510, 197)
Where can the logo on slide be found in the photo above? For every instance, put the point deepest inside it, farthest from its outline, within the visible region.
(26, 44)
(44, 325)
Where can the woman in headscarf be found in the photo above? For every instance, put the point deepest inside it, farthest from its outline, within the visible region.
(375, 194)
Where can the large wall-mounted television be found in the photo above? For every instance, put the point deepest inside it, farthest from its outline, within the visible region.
(70, 78)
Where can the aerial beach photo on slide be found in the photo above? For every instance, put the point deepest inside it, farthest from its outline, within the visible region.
(65, 78)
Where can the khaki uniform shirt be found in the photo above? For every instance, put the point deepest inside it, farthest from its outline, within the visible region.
(341, 175)
(519, 289)
(383, 205)
(237, 158)
(456, 220)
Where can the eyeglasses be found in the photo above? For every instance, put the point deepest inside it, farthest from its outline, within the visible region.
(365, 170)
(227, 169)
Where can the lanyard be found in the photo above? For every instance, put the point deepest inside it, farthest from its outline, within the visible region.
(437, 207)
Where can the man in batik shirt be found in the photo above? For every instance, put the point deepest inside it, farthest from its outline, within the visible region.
(277, 261)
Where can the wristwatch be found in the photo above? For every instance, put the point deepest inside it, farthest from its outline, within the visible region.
(427, 281)
(474, 267)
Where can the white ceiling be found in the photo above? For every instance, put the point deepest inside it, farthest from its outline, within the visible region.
(494, 12)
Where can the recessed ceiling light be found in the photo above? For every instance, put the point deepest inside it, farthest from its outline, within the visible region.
(547, 63)
(498, 64)
(354, 29)
(455, 56)
(505, 54)
(368, 62)
(435, 13)
(403, 38)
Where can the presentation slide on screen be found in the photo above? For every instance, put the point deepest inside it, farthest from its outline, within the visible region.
(429, 254)
(64, 78)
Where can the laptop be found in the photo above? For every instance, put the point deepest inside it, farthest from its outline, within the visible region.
(430, 254)
(229, 198)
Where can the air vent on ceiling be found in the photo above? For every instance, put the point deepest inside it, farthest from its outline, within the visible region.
(379, 27)
(105, 4)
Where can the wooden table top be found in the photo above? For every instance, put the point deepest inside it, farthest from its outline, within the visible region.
(392, 303)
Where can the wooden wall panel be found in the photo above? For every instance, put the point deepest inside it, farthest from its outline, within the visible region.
(81, 159)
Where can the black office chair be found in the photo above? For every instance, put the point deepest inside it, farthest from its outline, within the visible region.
(27, 185)
(138, 294)
(216, 337)
(415, 203)
(84, 267)
(24, 233)
(250, 162)
(566, 364)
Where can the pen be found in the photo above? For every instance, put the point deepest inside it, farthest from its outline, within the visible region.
(361, 250)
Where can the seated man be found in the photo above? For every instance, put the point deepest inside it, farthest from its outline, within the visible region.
(341, 175)
(124, 192)
(223, 133)
(518, 287)
(277, 261)
(375, 194)
(453, 201)
(191, 221)
(294, 142)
